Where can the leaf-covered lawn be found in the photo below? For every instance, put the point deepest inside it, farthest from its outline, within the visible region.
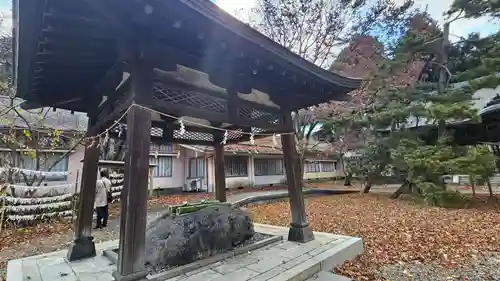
(395, 231)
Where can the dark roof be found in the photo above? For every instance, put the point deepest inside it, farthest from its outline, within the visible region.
(63, 49)
(41, 118)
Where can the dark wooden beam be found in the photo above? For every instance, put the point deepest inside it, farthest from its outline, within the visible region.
(300, 230)
(110, 119)
(64, 19)
(107, 87)
(83, 245)
(131, 256)
(220, 177)
(120, 25)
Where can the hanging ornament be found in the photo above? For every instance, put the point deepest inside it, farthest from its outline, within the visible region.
(120, 131)
(99, 142)
(224, 139)
(252, 139)
(106, 137)
(275, 142)
(156, 154)
(91, 143)
(182, 129)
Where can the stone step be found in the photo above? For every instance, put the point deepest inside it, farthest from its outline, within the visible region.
(328, 276)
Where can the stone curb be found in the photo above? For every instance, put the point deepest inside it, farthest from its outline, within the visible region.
(269, 198)
(113, 257)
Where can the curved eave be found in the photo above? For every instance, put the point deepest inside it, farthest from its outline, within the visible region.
(26, 19)
(217, 15)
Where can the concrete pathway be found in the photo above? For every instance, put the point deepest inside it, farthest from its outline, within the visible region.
(279, 261)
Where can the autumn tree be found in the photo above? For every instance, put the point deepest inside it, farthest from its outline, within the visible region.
(316, 30)
(479, 164)
(473, 9)
(30, 135)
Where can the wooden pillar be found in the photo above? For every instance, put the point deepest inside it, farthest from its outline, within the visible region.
(133, 219)
(299, 227)
(83, 245)
(220, 176)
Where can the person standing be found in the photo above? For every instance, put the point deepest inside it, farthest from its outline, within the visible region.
(102, 198)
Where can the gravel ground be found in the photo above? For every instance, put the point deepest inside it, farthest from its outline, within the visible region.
(486, 267)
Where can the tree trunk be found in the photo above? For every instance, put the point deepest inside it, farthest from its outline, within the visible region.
(347, 179)
(368, 186)
(490, 189)
(473, 185)
(402, 189)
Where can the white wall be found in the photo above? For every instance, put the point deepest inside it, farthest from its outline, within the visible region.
(178, 172)
(75, 165)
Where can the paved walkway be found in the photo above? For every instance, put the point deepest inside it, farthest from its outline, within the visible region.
(280, 261)
(45, 244)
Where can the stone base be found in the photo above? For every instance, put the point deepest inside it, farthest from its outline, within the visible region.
(81, 248)
(301, 234)
(136, 276)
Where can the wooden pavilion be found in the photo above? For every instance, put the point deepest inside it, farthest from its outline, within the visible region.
(101, 57)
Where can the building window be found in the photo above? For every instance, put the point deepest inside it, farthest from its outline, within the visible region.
(312, 167)
(196, 168)
(161, 148)
(268, 167)
(328, 166)
(163, 167)
(47, 159)
(236, 166)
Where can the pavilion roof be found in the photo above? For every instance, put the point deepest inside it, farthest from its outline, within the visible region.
(63, 50)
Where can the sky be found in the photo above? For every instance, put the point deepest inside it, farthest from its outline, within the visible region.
(435, 8)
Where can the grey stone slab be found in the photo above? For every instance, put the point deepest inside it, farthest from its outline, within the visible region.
(242, 274)
(326, 238)
(266, 253)
(233, 264)
(281, 268)
(325, 248)
(177, 278)
(30, 271)
(300, 272)
(59, 272)
(88, 276)
(328, 276)
(196, 271)
(287, 245)
(347, 250)
(301, 250)
(206, 275)
(104, 276)
(48, 261)
(269, 263)
(294, 262)
(95, 264)
(15, 270)
(268, 274)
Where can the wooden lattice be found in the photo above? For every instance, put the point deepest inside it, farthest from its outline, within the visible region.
(189, 98)
(251, 114)
(189, 135)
